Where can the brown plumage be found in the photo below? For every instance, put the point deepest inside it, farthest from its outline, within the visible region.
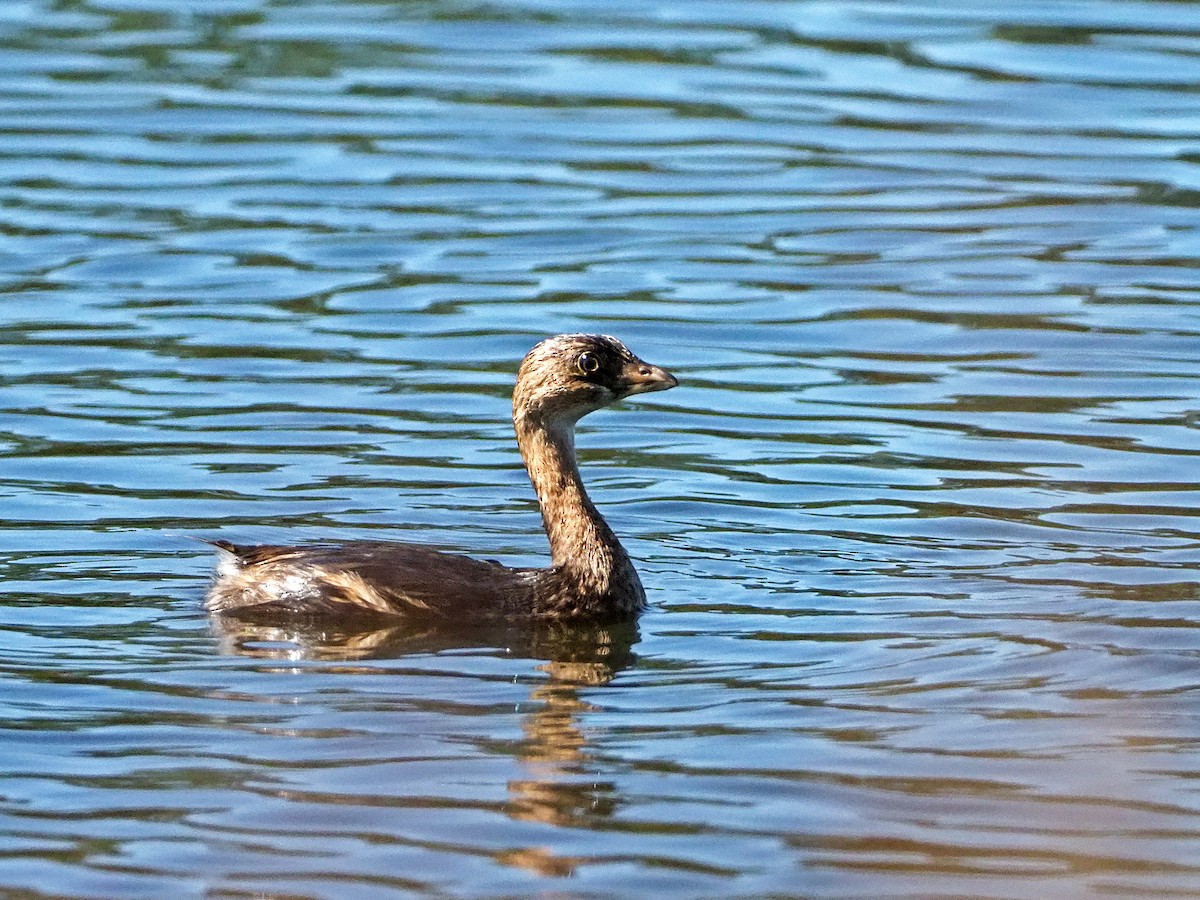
(590, 576)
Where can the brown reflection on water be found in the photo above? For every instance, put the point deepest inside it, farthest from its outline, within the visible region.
(555, 752)
(574, 655)
(554, 748)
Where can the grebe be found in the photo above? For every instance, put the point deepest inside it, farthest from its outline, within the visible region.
(590, 576)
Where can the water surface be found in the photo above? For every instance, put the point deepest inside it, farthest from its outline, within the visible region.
(919, 529)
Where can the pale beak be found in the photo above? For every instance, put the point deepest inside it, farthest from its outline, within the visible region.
(643, 378)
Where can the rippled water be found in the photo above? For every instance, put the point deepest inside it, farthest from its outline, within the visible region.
(920, 530)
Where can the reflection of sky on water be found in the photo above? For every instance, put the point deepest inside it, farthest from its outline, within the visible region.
(917, 529)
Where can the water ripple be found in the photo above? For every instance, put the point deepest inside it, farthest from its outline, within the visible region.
(918, 530)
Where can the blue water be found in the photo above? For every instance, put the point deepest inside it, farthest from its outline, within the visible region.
(919, 529)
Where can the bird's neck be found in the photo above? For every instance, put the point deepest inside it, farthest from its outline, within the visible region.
(581, 543)
(573, 524)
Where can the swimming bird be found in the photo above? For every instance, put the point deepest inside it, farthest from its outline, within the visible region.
(590, 576)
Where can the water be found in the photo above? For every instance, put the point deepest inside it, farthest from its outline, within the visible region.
(919, 530)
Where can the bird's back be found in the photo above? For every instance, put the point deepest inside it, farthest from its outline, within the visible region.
(364, 577)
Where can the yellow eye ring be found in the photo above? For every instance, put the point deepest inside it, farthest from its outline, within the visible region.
(588, 363)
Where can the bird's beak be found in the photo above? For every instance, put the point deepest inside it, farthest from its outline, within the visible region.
(642, 378)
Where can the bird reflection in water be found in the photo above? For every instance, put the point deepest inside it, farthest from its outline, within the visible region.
(554, 747)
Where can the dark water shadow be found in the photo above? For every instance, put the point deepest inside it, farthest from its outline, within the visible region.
(575, 654)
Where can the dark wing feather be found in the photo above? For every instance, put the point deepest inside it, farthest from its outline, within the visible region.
(373, 577)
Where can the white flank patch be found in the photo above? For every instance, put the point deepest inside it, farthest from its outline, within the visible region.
(228, 565)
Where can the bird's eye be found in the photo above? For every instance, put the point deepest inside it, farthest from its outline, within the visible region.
(588, 363)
